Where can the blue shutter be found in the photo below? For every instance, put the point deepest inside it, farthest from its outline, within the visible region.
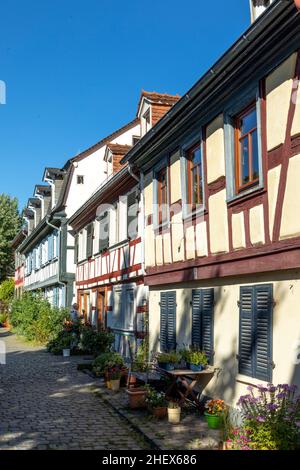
(203, 321)
(172, 321)
(196, 319)
(207, 333)
(163, 321)
(263, 312)
(168, 321)
(246, 332)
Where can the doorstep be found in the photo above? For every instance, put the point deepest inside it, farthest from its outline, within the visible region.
(191, 434)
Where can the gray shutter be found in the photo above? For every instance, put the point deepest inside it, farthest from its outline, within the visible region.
(263, 332)
(171, 345)
(163, 321)
(203, 321)
(76, 249)
(207, 333)
(246, 332)
(104, 232)
(132, 215)
(196, 319)
(90, 237)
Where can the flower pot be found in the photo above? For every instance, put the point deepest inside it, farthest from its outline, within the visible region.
(174, 415)
(196, 367)
(137, 397)
(159, 412)
(66, 352)
(213, 421)
(166, 366)
(108, 384)
(132, 381)
(115, 385)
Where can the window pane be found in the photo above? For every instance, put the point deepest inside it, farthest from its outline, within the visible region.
(248, 122)
(255, 162)
(196, 157)
(245, 160)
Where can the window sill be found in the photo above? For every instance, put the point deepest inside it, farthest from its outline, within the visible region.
(247, 380)
(194, 215)
(245, 196)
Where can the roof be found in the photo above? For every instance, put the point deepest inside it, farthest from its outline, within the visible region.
(19, 238)
(251, 53)
(163, 99)
(118, 149)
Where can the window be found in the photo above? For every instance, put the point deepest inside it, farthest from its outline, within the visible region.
(80, 179)
(147, 121)
(255, 336)
(129, 310)
(168, 321)
(203, 321)
(132, 215)
(246, 149)
(162, 196)
(194, 177)
(89, 240)
(135, 139)
(103, 231)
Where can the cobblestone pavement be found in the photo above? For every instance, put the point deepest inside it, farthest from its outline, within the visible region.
(47, 404)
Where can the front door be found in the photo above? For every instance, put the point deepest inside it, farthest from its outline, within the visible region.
(101, 323)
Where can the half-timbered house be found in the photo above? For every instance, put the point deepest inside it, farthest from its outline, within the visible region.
(220, 177)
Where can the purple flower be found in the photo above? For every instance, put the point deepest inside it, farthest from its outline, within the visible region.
(271, 388)
(281, 395)
(260, 419)
(250, 388)
(262, 388)
(272, 406)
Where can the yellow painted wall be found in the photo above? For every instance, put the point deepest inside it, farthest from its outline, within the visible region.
(175, 187)
(177, 238)
(215, 149)
(273, 183)
(256, 219)
(278, 91)
(228, 383)
(238, 231)
(290, 222)
(296, 121)
(218, 222)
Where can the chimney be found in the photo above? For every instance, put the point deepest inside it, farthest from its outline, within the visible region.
(257, 7)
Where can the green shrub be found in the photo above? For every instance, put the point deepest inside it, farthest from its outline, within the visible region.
(7, 289)
(107, 361)
(3, 318)
(33, 317)
(64, 340)
(95, 342)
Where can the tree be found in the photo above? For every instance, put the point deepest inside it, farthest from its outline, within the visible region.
(10, 224)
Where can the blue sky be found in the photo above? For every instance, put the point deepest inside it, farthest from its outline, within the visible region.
(74, 70)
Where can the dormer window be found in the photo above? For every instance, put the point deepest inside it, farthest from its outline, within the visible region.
(146, 121)
(135, 139)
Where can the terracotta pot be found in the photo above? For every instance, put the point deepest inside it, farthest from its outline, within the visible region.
(132, 381)
(174, 415)
(159, 412)
(137, 397)
(115, 385)
(108, 384)
(297, 3)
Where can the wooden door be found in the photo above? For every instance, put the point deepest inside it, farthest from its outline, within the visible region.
(101, 320)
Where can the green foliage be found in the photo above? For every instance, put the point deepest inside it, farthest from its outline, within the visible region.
(95, 342)
(171, 357)
(64, 340)
(154, 398)
(10, 224)
(33, 317)
(106, 361)
(7, 289)
(193, 356)
(3, 318)
(140, 363)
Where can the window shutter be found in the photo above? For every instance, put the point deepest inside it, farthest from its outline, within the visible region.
(263, 332)
(207, 333)
(104, 232)
(171, 321)
(132, 215)
(163, 321)
(196, 319)
(76, 249)
(203, 321)
(246, 332)
(90, 236)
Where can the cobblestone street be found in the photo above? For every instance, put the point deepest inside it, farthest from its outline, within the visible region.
(47, 404)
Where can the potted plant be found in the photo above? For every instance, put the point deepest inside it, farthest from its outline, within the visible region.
(197, 361)
(174, 412)
(66, 343)
(137, 397)
(115, 379)
(214, 414)
(168, 360)
(156, 402)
